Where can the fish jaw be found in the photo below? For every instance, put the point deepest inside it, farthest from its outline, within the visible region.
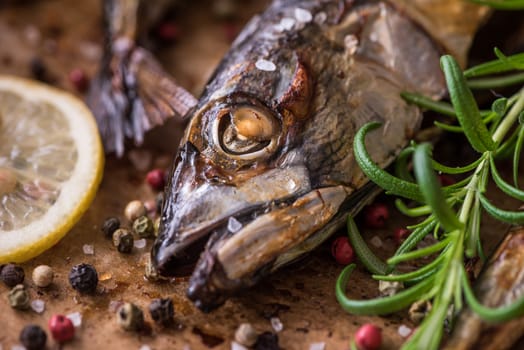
(238, 260)
(201, 207)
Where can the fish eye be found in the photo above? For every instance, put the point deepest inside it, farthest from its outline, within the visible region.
(246, 132)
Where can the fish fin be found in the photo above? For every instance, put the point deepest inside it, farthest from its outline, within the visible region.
(132, 94)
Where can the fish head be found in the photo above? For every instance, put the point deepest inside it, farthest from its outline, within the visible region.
(237, 161)
(266, 171)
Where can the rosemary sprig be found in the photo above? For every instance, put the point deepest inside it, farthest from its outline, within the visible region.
(502, 4)
(452, 213)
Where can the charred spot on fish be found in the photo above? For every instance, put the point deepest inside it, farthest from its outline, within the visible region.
(297, 98)
(246, 131)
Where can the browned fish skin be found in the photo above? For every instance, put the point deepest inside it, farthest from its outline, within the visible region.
(270, 140)
(500, 284)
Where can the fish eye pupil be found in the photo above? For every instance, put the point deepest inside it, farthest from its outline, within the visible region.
(253, 124)
(245, 130)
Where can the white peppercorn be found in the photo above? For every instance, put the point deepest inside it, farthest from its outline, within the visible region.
(134, 210)
(246, 335)
(43, 276)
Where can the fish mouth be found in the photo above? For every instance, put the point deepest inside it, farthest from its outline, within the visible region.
(178, 257)
(229, 236)
(195, 208)
(242, 248)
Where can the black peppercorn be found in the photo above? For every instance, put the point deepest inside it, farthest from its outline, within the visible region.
(267, 341)
(83, 278)
(12, 275)
(110, 226)
(162, 311)
(123, 240)
(33, 337)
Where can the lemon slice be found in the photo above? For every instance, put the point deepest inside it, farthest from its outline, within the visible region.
(51, 163)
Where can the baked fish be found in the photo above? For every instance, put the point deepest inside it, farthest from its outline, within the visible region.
(265, 171)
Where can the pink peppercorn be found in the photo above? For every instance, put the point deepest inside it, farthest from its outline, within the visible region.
(78, 79)
(168, 31)
(368, 337)
(445, 180)
(400, 234)
(342, 251)
(156, 179)
(61, 328)
(375, 215)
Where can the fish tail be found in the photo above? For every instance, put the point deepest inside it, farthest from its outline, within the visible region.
(131, 92)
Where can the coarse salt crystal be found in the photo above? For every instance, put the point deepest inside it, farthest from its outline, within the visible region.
(404, 331)
(351, 43)
(140, 243)
(233, 225)
(278, 28)
(317, 346)
(145, 347)
(237, 346)
(376, 241)
(287, 23)
(320, 18)
(88, 249)
(38, 306)
(265, 65)
(303, 16)
(276, 324)
(76, 318)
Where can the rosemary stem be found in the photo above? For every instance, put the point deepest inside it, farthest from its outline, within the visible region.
(471, 190)
(510, 119)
